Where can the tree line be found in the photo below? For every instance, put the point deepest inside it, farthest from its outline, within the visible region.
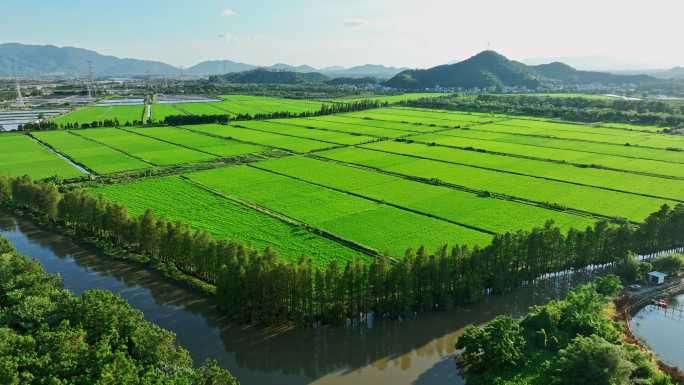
(50, 125)
(579, 109)
(256, 286)
(50, 336)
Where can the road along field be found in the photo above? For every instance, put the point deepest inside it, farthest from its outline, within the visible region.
(98, 114)
(22, 155)
(369, 223)
(178, 199)
(96, 157)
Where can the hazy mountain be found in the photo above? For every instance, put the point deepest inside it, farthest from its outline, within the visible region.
(560, 72)
(34, 60)
(363, 71)
(593, 63)
(287, 67)
(486, 69)
(490, 69)
(218, 67)
(266, 76)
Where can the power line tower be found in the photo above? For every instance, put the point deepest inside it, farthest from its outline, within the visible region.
(20, 98)
(91, 82)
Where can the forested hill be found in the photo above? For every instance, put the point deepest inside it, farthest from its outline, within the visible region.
(486, 69)
(490, 69)
(559, 72)
(264, 76)
(29, 60)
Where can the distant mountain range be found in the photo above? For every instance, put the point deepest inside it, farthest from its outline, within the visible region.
(34, 60)
(266, 76)
(46, 60)
(484, 70)
(219, 67)
(490, 69)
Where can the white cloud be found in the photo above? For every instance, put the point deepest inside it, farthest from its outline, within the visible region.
(353, 23)
(228, 12)
(228, 37)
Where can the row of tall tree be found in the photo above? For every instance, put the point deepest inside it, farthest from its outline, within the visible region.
(49, 125)
(258, 287)
(577, 109)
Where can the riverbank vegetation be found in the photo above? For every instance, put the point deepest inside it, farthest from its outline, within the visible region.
(257, 287)
(51, 336)
(572, 341)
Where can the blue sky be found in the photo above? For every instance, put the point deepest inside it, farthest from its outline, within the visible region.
(349, 32)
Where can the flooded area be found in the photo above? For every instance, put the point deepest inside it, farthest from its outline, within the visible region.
(416, 351)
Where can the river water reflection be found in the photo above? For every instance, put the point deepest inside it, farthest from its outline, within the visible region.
(409, 352)
(662, 329)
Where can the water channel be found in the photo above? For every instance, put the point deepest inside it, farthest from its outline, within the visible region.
(415, 351)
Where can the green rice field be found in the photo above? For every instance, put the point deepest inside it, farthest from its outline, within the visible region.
(337, 212)
(176, 199)
(353, 185)
(97, 114)
(457, 206)
(390, 99)
(144, 148)
(199, 142)
(588, 199)
(263, 138)
(22, 155)
(236, 105)
(97, 157)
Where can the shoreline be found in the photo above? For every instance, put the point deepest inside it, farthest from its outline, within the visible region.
(626, 306)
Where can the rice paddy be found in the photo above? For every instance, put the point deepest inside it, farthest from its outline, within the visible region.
(355, 185)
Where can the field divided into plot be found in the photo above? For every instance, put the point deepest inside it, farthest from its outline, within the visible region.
(390, 99)
(96, 114)
(22, 155)
(425, 118)
(637, 184)
(374, 225)
(97, 157)
(141, 147)
(571, 145)
(281, 127)
(247, 104)
(452, 205)
(161, 110)
(601, 135)
(176, 199)
(588, 199)
(357, 127)
(465, 139)
(204, 143)
(263, 138)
